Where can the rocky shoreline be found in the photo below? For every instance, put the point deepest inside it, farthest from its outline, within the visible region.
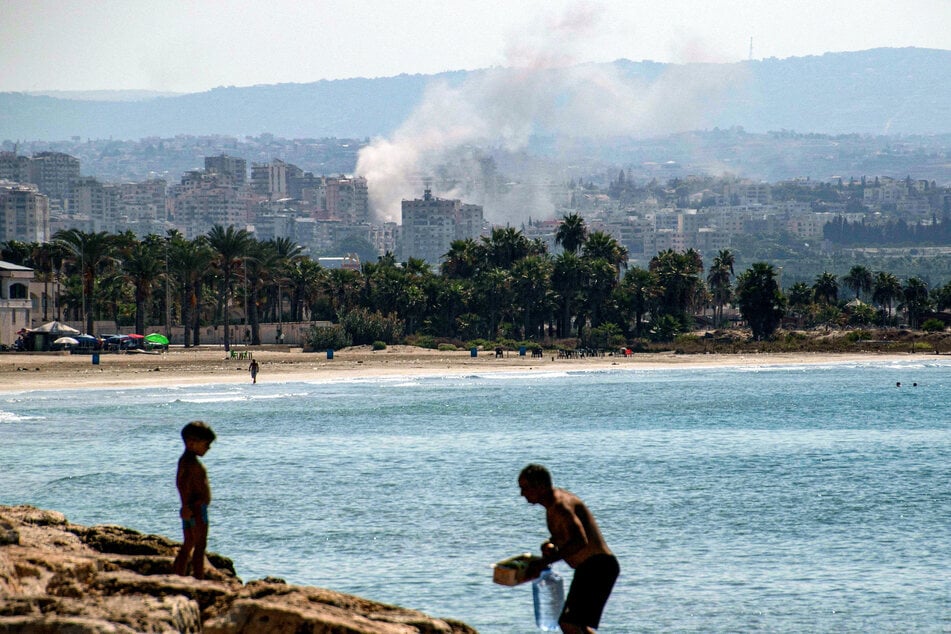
(56, 576)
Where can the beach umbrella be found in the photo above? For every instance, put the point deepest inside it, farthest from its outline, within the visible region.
(66, 341)
(157, 338)
(135, 335)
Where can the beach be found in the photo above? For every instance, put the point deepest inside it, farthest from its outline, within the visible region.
(211, 365)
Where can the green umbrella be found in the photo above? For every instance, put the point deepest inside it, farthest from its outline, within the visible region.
(157, 338)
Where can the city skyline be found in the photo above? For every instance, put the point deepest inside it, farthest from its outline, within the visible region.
(84, 45)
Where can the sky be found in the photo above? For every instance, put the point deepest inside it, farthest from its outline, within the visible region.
(190, 46)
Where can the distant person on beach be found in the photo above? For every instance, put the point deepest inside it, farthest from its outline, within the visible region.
(253, 369)
(575, 538)
(195, 493)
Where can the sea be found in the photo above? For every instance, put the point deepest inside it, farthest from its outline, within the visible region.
(760, 498)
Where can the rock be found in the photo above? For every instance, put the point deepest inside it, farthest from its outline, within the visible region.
(61, 577)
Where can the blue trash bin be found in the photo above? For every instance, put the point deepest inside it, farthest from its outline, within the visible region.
(95, 358)
(473, 352)
(330, 353)
(521, 351)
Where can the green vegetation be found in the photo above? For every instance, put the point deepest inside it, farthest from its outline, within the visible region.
(502, 290)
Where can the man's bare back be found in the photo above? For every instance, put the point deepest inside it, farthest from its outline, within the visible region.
(574, 530)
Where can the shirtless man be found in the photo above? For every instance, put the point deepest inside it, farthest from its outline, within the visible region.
(576, 538)
(195, 493)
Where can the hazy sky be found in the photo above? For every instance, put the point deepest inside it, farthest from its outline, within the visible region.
(195, 45)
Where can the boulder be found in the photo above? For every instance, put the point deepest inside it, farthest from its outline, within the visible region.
(56, 577)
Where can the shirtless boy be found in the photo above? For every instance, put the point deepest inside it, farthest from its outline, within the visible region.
(195, 492)
(575, 538)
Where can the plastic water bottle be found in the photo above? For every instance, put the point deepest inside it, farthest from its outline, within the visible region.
(548, 590)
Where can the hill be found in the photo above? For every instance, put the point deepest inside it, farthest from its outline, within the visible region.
(879, 91)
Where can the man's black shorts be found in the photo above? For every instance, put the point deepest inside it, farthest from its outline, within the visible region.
(592, 584)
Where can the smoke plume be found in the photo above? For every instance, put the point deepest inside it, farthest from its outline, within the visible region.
(541, 90)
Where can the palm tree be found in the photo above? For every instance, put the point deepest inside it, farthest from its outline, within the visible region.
(885, 290)
(603, 245)
(505, 246)
(531, 283)
(462, 259)
(915, 300)
(571, 233)
(859, 280)
(826, 288)
(800, 299)
(493, 288)
(718, 279)
(42, 256)
(143, 267)
(230, 246)
(189, 263)
(678, 275)
(641, 291)
(91, 252)
(304, 276)
(287, 252)
(567, 277)
(760, 301)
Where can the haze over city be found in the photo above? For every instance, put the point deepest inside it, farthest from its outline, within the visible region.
(180, 46)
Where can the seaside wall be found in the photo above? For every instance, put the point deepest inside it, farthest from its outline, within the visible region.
(56, 576)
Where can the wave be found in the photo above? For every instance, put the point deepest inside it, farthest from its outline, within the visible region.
(13, 417)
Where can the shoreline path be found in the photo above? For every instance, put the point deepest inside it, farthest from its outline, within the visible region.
(210, 365)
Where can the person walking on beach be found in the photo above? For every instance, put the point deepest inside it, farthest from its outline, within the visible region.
(195, 493)
(575, 538)
(253, 369)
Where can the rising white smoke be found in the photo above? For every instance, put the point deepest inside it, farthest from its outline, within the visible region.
(541, 89)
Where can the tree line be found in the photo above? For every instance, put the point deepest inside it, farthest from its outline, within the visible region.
(501, 287)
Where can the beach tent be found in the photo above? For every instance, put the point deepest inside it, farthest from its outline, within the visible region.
(42, 338)
(56, 328)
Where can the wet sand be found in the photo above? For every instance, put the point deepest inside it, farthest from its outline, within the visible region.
(207, 365)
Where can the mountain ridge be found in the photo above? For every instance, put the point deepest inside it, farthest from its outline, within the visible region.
(877, 91)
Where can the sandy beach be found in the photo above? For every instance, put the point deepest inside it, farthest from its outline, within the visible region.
(206, 365)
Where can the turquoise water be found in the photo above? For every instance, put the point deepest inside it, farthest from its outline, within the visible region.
(772, 499)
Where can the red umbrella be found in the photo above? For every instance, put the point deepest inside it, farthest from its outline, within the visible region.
(135, 336)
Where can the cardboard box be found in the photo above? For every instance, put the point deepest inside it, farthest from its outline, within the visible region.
(512, 571)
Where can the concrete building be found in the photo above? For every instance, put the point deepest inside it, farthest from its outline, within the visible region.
(430, 224)
(15, 304)
(347, 199)
(98, 201)
(274, 180)
(143, 201)
(15, 168)
(235, 169)
(24, 213)
(53, 173)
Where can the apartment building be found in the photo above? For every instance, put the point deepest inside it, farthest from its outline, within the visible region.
(24, 213)
(97, 201)
(234, 169)
(430, 224)
(347, 199)
(53, 173)
(15, 168)
(143, 201)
